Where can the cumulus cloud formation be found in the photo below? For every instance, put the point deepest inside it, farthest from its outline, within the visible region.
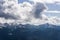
(7, 9)
(24, 13)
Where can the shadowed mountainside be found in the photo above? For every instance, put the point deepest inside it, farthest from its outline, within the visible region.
(30, 32)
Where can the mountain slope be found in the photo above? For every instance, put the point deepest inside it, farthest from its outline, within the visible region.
(30, 32)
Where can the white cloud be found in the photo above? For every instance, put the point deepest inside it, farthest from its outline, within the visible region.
(8, 8)
(54, 20)
(52, 11)
(46, 1)
(24, 13)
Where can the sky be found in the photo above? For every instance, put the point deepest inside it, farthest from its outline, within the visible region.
(35, 12)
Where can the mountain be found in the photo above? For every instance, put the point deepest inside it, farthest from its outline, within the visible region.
(29, 32)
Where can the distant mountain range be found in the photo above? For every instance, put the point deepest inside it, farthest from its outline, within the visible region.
(29, 32)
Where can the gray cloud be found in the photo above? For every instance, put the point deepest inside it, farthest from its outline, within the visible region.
(7, 16)
(38, 9)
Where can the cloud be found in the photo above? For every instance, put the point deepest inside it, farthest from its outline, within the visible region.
(38, 9)
(24, 13)
(7, 9)
(10, 9)
(54, 20)
(52, 11)
(46, 1)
